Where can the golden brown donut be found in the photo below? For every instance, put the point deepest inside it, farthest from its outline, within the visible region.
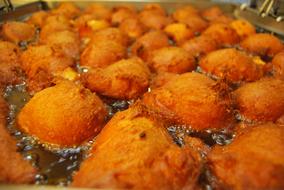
(278, 65)
(68, 9)
(193, 100)
(121, 14)
(200, 46)
(66, 114)
(14, 169)
(41, 64)
(254, 160)
(110, 34)
(132, 27)
(99, 11)
(102, 53)
(18, 31)
(134, 151)
(231, 64)
(171, 59)
(196, 23)
(243, 28)
(65, 41)
(179, 32)
(154, 20)
(183, 13)
(212, 13)
(262, 100)
(223, 34)
(125, 79)
(10, 71)
(144, 46)
(262, 45)
(54, 23)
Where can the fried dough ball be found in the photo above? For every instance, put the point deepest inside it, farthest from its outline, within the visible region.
(65, 41)
(68, 9)
(262, 100)
(54, 23)
(179, 32)
(231, 64)
(200, 46)
(146, 44)
(185, 12)
(212, 13)
(38, 18)
(99, 11)
(160, 79)
(132, 27)
(41, 64)
(121, 14)
(9, 64)
(278, 65)
(262, 45)
(154, 20)
(14, 169)
(171, 59)
(140, 155)
(102, 53)
(196, 23)
(223, 34)
(125, 79)
(191, 99)
(254, 160)
(18, 31)
(155, 7)
(243, 28)
(65, 115)
(110, 34)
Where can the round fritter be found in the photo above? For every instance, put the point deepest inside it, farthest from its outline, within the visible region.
(231, 64)
(154, 20)
(14, 169)
(262, 100)
(212, 13)
(243, 28)
(200, 46)
(196, 23)
(223, 34)
(66, 114)
(191, 99)
(38, 18)
(110, 34)
(155, 7)
(132, 27)
(9, 64)
(68, 9)
(160, 79)
(54, 23)
(41, 63)
(278, 65)
(262, 45)
(171, 59)
(121, 14)
(183, 13)
(99, 11)
(102, 53)
(18, 31)
(144, 46)
(134, 151)
(179, 32)
(66, 41)
(125, 79)
(254, 160)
